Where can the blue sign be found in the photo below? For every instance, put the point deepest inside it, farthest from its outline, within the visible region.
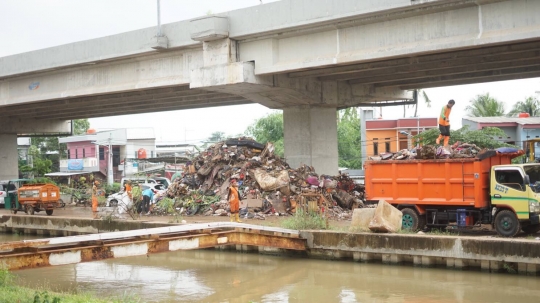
(75, 164)
(33, 86)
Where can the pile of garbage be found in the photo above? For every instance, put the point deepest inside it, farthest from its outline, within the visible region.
(267, 184)
(457, 150)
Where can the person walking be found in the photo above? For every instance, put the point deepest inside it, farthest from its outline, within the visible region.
(234, 201)
(95, 200)
(148, 195)
(444, 123)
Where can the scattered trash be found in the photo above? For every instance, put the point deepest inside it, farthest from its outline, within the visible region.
(267, 184)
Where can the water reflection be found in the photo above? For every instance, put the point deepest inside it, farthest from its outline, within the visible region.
(213, 276)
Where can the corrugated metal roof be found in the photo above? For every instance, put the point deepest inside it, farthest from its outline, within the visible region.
(530, 120)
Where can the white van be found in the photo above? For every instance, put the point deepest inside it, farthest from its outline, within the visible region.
(138, 180)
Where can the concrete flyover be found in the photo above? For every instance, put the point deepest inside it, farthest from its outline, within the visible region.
(307, 57)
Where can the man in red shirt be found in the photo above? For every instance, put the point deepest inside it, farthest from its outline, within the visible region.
(444, 123)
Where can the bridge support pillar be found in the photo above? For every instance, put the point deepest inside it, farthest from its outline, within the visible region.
(9, 157)
(310, 137)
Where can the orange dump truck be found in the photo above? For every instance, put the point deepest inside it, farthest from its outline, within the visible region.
(463, 192)
(38, 197)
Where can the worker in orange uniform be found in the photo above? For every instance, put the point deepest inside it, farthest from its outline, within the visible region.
(95, 200)
(128, 189)
(234, 201)
(444, 123)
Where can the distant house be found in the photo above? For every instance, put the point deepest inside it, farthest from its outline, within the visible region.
(517, 130)
(384, 136)
(89, 152)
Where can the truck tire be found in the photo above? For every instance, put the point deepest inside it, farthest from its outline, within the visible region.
(30, 210)
(412, 220)
(531, 229)
(506, 223)
(49, 212)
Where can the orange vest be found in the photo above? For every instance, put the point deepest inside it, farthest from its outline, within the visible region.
(444, 117)
(234, 201)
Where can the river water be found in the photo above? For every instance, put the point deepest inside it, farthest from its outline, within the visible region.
(221, 276)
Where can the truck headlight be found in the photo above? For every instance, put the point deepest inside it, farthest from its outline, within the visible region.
(534, 207)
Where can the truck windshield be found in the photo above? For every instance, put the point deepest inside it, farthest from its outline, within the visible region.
(534, 175)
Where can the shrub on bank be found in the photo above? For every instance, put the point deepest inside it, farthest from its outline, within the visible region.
(10, 292)
(303, 220)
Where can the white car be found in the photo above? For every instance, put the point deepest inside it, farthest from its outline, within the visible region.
(113, 199)
(4, 191)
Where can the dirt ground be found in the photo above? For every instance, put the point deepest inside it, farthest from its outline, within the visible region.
(77, 211)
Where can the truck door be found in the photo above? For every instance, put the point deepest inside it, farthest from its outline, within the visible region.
(508, 189)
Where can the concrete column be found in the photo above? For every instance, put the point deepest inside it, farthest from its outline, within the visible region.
(9, 157)
(310, 137)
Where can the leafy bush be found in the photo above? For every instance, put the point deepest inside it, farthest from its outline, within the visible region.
(303, 220)
(111, 189)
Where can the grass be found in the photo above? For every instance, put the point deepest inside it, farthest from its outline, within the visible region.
(11, 292)
(303, 220)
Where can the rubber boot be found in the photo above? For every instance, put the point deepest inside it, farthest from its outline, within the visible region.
(232, 217)
(238, 218)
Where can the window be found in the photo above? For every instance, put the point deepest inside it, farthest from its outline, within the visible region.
(101, 153)
(83, 153)
(510, 178)
(376, 148)
(116, 156)
(76, 153)
(69, 154)
(387, 146)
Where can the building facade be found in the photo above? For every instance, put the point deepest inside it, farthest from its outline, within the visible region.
(390, 136)
(517, 130)
(90, 152)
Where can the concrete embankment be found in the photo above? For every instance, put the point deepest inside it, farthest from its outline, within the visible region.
(455, 252)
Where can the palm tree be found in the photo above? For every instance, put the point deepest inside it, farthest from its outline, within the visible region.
(485, 106)
(425, 97)
(531, 105)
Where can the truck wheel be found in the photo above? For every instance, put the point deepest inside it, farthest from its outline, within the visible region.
(506, 223)
(49, 212)
(14, 211)
(531, 229)
(30, 210)
(411, 220)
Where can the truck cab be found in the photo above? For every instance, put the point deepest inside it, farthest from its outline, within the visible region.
(515, 196)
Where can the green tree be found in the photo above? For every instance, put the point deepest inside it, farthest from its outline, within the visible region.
(41, 165)
(269, 129)
(530, 105)
(485, 106)
(216, 137)
(80, 126)
(483, 138)
(349, 139)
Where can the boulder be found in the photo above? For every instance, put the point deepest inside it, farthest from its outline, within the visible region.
(361, 218)
(387, 219)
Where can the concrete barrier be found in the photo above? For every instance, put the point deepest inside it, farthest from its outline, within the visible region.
(458, 252)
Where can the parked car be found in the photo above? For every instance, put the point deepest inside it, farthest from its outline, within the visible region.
(4, 191)
(113, 199)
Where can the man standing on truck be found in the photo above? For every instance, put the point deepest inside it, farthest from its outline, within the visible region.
(444, 123)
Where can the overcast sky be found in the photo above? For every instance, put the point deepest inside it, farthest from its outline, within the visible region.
(28, 25)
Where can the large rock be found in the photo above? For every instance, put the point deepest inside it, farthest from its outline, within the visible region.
(361, 218)
(387, 219)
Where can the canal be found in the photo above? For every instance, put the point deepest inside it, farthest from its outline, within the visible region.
(223, 276)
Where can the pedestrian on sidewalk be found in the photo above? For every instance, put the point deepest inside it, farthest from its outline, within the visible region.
(444, 123)
(148, 195)
(234, 201)
(95, 200)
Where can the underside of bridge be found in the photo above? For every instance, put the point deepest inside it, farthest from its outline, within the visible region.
(308, 58)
